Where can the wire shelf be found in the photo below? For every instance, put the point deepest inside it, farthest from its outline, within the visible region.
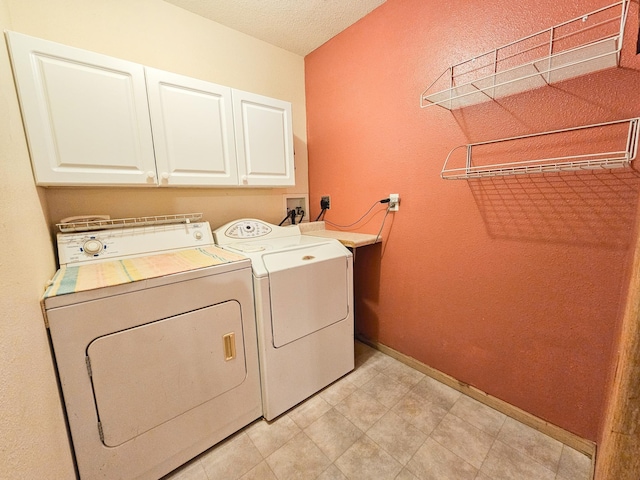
(577, 47)
(77, 225)
(609, 159)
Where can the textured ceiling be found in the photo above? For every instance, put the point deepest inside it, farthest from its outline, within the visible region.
(299, 26)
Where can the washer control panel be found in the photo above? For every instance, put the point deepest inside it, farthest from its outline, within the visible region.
(117, 243)
(248, 229)
(251, 229)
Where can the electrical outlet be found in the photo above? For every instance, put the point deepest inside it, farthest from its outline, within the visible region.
(325, 202)
(394, 202)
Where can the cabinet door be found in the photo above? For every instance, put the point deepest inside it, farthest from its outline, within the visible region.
(193, 135)
(264, 140)
(85, 115)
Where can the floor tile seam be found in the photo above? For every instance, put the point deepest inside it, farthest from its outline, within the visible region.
(418, 427)
(316, 445)
(493, 437)
(268, 466)
(298, 425)
(417, 474)
(389, 364)
(345, 378)
(484, 460)
(412, 379)
(564, 445)
(266, 460)
(383, 360)
(485, 406)
(195, 461)
(256, 446)
(291, 418)
(429, 436)
(362, 432)
(368, 356)
(346, 475)
(206, 474)
(364, 393)
(400, 384)
(555, 474)
(374, 367)
(524, 452)
(348, 420)
(426, 399)
(335, 462)
(391, 454)
(396, 402)
(559, 460)
(472, 425)
(483, 474)
(387, 376)
(459, 457)
(588, 474)
(328, 467)
(557, 464)
(213, 450)
(504, 420)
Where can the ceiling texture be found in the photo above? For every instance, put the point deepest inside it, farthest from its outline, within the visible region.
(299, 26)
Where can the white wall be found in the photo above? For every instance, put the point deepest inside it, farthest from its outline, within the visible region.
(33, 440)
(161, 35)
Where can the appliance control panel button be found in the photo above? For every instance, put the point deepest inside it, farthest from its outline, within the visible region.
(248, 229)
(93, 246)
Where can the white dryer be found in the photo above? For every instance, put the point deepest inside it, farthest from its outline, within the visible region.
(303, 289)
(156, 354)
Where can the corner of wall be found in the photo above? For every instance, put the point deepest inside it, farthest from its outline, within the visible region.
(35, 440)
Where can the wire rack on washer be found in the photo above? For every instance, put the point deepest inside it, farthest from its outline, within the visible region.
(76, 224)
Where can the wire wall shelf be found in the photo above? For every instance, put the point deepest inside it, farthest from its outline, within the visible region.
(588, 136)
(577, 47)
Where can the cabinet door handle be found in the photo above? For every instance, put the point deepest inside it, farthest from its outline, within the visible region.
(229, 341)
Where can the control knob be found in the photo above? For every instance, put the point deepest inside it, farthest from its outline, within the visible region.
(92, 247)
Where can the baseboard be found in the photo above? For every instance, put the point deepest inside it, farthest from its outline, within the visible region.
(580, 444)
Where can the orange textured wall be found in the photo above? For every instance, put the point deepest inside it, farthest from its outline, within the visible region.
(513, 285)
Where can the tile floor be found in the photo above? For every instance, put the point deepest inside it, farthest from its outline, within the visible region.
(386, 420)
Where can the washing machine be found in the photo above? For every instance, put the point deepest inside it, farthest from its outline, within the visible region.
(303, 289)
(154, 339)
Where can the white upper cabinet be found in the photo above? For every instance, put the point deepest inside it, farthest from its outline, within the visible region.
(264, 140)
(85, 115)
(92, 119)
(192, 123)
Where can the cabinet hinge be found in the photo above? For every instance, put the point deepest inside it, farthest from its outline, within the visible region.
(88, 362)
(100, 432)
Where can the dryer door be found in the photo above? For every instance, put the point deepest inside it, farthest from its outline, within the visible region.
(147, 375)
(308, 290)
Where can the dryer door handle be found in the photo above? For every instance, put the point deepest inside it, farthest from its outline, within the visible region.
(229, 341)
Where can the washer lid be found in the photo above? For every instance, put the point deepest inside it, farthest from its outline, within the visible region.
(278, 254)
(248, 247)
